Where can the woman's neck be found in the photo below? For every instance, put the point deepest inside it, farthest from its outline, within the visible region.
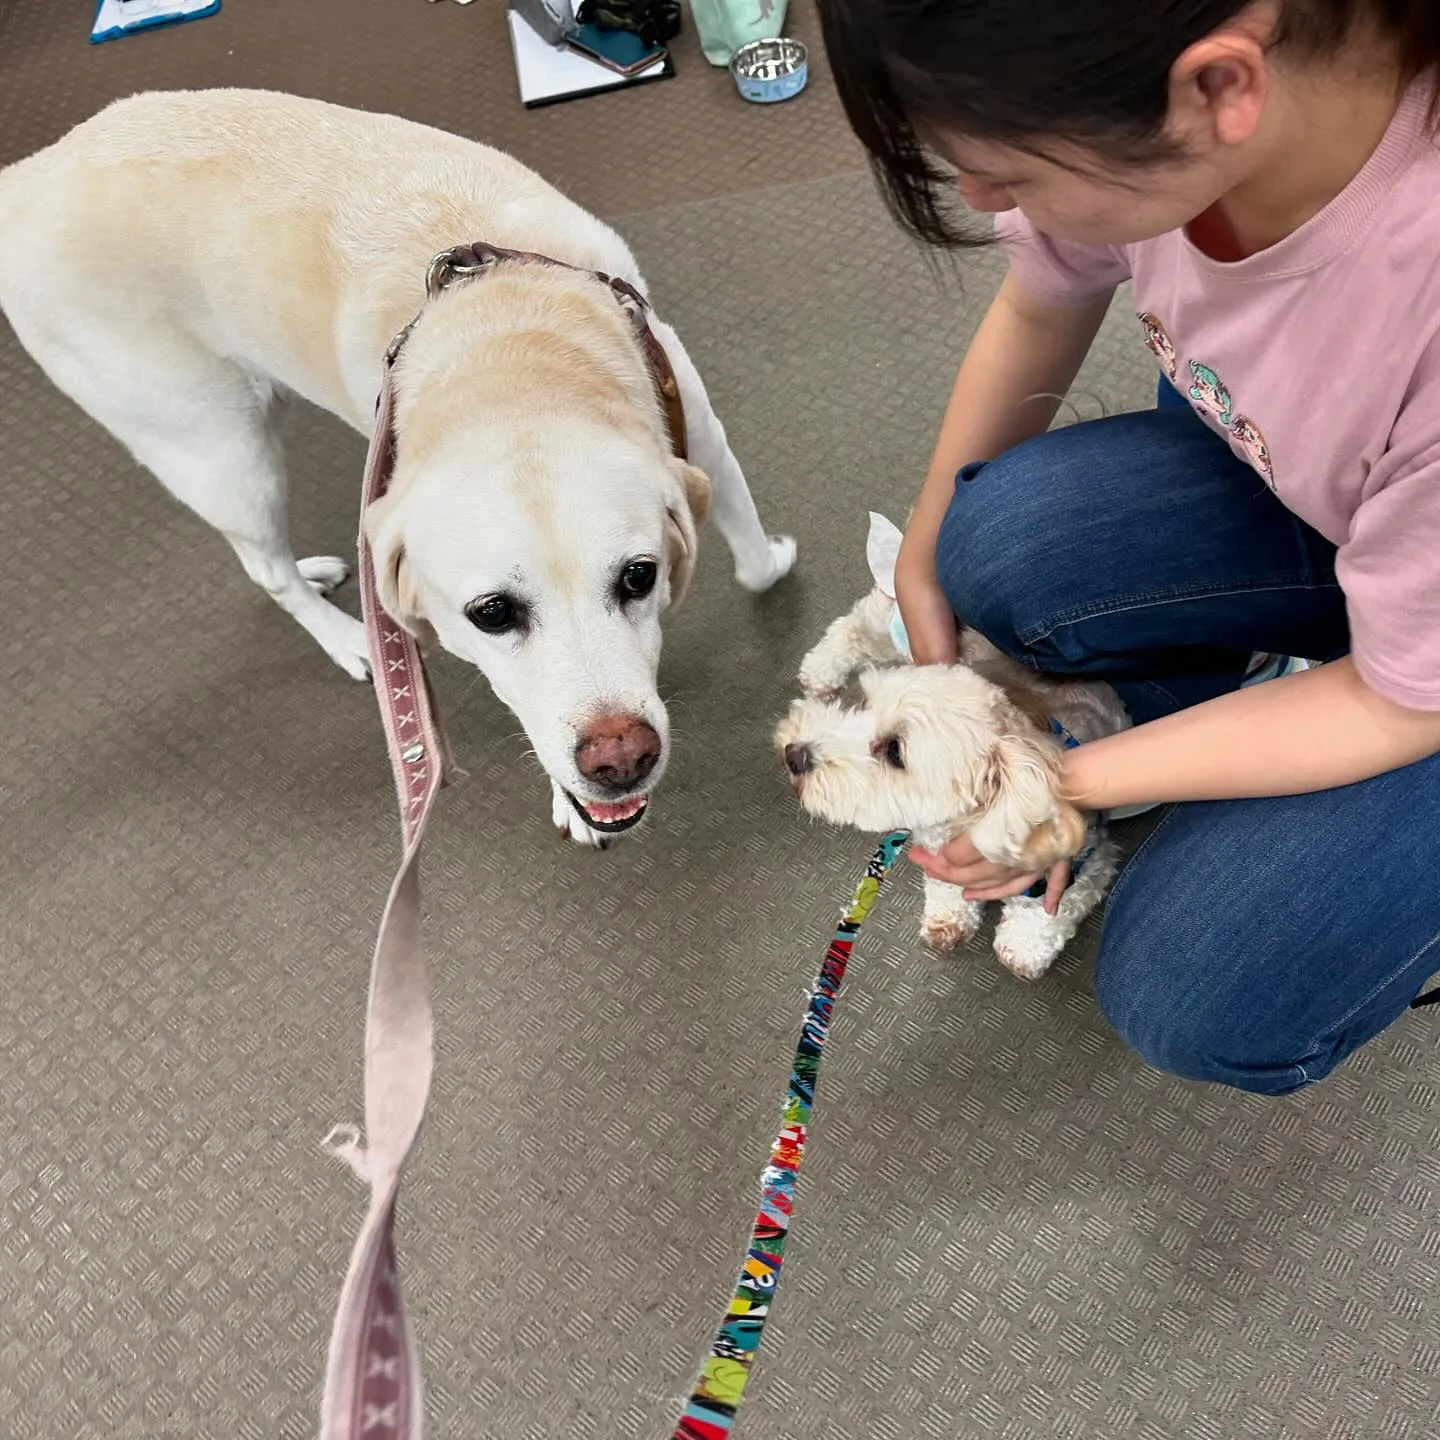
(1317, 135)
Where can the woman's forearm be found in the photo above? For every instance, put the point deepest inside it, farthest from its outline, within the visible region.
(1024, 356)
(1317, 730)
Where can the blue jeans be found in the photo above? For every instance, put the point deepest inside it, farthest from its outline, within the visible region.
(1251, 943)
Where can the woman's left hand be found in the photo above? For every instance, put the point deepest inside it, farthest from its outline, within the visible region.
(960, 863)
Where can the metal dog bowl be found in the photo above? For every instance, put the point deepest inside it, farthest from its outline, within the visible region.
(767, 71)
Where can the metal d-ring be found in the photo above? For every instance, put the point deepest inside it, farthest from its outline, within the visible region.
(448, 267)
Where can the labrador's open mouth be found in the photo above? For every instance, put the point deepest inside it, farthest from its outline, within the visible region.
(612, 819)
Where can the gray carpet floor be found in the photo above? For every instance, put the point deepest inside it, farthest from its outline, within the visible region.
(1008, 1227)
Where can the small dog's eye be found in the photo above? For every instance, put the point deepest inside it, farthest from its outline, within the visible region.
(494, 614)
(894, 754)
(637, 579)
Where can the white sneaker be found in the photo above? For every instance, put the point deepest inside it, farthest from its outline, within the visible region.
(1262, 667)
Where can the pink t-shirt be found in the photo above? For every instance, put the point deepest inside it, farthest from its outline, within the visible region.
(1319, 360)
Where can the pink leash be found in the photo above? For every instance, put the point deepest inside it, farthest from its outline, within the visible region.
(372, 1378)
(372, 1375)
(373, 1388)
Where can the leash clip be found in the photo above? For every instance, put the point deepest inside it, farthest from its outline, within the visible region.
(344, 1142)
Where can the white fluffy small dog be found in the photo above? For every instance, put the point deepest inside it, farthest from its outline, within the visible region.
(942, 751)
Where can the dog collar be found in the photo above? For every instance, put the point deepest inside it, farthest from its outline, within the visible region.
(465, 262)
(1063, 735)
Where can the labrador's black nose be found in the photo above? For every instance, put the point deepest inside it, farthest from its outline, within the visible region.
(799, 759)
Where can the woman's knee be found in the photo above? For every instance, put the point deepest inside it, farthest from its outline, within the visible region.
(1229, 955)
(1193, 1020)
(1029, 542)
(995, 540)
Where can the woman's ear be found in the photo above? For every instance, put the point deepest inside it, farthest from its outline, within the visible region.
(1219, 85)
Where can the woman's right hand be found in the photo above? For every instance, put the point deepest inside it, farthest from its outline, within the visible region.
(930, 623)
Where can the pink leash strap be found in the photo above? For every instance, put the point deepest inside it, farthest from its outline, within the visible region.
(373, 1388)
(372, 1376)
(372, 1373)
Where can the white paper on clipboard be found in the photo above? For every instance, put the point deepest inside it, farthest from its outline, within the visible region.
(545, 73)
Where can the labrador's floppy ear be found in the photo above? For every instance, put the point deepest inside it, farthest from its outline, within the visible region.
(684, 516)
(1024, 822)
(394, 583)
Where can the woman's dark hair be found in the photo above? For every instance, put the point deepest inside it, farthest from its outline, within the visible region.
(1021, 72)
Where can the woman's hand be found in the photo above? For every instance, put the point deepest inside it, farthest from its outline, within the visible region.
(960, 863)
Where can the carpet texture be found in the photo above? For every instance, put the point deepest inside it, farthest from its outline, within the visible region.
(688, 138)
(1007, 1228)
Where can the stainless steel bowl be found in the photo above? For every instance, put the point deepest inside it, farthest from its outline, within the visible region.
(767, 71)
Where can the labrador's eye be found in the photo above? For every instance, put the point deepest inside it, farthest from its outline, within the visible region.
(637, 579)
(494, 614)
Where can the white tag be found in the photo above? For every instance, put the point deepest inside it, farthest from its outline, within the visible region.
(881, 549)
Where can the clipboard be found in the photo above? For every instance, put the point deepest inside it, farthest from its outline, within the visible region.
(547, 76)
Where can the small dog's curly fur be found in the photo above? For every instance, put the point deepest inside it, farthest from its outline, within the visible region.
(946, 750)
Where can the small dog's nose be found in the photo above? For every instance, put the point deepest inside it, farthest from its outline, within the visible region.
(799, 759)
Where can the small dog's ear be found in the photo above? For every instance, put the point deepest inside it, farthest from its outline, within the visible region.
(1023, 822)
(1060, 837)
(394, 583)
(684, 516)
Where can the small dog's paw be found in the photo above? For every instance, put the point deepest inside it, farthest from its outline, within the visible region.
(823, 677)
(1027, 940)
(779, 561)
(571, 825)
(1021, 962)
(946, 932)
(950, 920)
(324, 573)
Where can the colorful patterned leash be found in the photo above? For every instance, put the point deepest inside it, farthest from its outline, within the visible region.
(710, 1413)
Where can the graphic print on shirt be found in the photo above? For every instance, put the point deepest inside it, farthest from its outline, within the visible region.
(1209, 390)
(1247, 432)
(1160, 346)
(1211, 394)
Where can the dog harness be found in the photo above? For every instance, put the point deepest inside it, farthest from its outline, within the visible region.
(373, 1386)
(465, 262)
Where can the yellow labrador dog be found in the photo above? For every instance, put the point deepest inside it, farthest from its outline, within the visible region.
(183, 260)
